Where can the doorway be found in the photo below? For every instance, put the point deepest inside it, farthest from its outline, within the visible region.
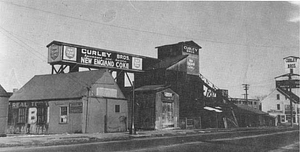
(167, 114)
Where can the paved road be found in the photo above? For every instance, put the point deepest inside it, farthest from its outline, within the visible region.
(245, 141)
(274, 142)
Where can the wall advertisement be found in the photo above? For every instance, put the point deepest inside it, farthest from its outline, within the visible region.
(192, 59)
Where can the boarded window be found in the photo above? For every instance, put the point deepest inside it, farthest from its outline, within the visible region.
(117, 108)
(22, 115)
(41, 115)
(63, 114)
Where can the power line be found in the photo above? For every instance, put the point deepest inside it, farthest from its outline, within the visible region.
(43, 59)
(143, 31)
(22, 45)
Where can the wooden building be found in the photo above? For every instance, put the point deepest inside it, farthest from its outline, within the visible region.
(179, 68)
(156, 107)
(75, 102)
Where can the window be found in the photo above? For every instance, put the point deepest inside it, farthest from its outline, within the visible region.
(278, 96)
(41, 115)
(282, 118)
(278, 106)
(22, 115)
(63, 114)
(117, 108)
(254, 103)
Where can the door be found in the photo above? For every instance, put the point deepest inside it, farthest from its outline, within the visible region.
(167, 114)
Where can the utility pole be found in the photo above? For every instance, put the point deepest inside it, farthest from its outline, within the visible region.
(246, 88)
(290, 89)
(133, 130)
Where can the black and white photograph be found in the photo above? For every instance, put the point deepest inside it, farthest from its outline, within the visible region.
(149, 76)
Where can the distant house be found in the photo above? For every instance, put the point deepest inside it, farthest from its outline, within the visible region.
(252, 117)
(277, 104)
(3, 109)
(86, 102)
(253, 103)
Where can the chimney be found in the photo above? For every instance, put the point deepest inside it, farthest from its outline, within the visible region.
(15, 90)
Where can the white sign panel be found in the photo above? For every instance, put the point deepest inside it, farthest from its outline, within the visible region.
(137, 63)
(70, 53)
(291, 62)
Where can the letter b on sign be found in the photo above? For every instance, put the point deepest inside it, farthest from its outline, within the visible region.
(32, 115)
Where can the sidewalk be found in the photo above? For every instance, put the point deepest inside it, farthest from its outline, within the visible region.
(65, 139)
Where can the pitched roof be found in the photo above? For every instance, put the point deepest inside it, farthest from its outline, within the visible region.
(57, 86)
(247, 109)
(167, 62)
(151, 88)
(3, 93)
(292, 57)
(186, 42)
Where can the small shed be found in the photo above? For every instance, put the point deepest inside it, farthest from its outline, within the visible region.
(88, 102)
(156, 107)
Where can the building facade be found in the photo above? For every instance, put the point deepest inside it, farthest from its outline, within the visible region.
(277, 104)
(78, 102)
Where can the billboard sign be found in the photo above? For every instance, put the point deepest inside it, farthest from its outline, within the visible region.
(54, 53)
(192, 59)
(192, 63)
(291, 62)
(70, 53)
(191, 50)
(93, 57)
(288, 83)
(108, 59)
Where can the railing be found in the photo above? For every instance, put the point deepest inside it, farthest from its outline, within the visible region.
(211, 91)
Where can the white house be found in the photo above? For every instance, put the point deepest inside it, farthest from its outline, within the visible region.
(277, 103)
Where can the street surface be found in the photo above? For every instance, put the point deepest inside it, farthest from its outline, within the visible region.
(245, 141)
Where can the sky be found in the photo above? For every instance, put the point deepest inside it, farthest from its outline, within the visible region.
(242, 42)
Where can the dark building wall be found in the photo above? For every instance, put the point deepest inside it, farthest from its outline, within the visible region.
(188, 87)
(28, 117)
(145, 110)
(3, 114)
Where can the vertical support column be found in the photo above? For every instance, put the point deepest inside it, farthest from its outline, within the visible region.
(120, 79)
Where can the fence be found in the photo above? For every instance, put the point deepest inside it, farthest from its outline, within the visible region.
(190, 123)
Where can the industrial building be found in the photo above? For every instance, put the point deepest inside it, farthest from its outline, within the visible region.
(87, 92)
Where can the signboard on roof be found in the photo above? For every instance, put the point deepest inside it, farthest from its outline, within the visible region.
(291, 62)
(191, 49)
(93, 57)
(54, 53)
(288, 83)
